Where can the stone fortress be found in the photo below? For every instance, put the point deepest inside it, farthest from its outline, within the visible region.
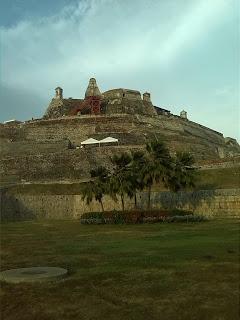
(47, 151)
(115, 101)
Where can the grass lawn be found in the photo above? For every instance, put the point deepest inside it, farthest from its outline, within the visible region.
(127, 272)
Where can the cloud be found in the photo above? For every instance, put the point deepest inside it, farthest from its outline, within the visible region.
(118, 42)
(224, 91)
(198, 18)
(100, 36)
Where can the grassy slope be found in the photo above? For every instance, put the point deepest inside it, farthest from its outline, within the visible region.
(219, 178)
(207, 179)
(160, 271)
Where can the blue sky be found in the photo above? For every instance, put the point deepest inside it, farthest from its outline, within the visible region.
(185, 52)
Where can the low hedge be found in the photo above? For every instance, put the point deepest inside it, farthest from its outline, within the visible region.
(134, 217)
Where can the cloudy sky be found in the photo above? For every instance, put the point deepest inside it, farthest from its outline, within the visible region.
(185, 52)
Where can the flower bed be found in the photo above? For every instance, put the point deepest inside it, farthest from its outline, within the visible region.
(134, 217)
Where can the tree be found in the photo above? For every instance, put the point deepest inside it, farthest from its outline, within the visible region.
(158, 166)
(97, 187)
(87, 191)
(133, 172)
(121, 180)
(183, 174)
(137, 179)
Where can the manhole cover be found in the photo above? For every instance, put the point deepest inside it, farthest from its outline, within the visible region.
(33, 274)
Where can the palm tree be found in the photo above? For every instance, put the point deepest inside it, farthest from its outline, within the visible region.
(158, 167)
(183, 174)
(97, 187)
(120, 180)
(87, 191)
(137, 165)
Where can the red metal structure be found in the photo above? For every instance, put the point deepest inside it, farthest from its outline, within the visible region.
(90, 105)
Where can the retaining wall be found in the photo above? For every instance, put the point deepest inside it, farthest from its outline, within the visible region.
(217, 203)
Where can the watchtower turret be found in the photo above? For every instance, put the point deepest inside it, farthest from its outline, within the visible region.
(59, 93)
(147, 97)
(92, 89)
(183, 114)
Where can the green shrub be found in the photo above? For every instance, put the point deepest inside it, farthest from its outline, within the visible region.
(178, 212)
(134, 217)
(92, 215)
(187, 218)
(119, 218)
(92, 221)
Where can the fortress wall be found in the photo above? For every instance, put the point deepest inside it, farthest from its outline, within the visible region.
(70, 164)
(221, 203)
(131, 107)
(197, 149)
(56, 130)
(210, 203)
(83, 127)
(223, 165)
(74, 164)
(11, 132)
(38, 150)
(113, 94)
(202, 132)
(177, 138)
(57, 166)
(177, 126)
(122, 93)
(23, 148)
(41, 156)
(186, 127)
(75, 129)
(28, 207)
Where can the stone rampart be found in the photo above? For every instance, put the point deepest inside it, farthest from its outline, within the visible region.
(37, 150)
(82, 127)
(122, 93)
(69, 164)
(223, 165)
(211, 203)
(23, 148)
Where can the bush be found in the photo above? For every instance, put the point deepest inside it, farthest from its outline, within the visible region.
(178, 212)
(134, 217)
(92, 215)
(92, 221)
(187, 218)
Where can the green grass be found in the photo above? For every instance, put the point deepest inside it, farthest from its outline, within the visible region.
(228, 178)
(143, 272)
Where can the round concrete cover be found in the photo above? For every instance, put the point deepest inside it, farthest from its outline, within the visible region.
(32, 274)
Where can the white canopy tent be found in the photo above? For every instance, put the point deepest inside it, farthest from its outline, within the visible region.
(108, 140)
(90, 141)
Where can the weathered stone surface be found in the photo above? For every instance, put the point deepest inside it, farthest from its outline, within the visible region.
(33, 274)
(122, 93)
(46, 149)
(222, 203)
(92, 89)
(60, 107)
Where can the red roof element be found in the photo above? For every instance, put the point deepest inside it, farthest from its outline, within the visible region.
(90, 104)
